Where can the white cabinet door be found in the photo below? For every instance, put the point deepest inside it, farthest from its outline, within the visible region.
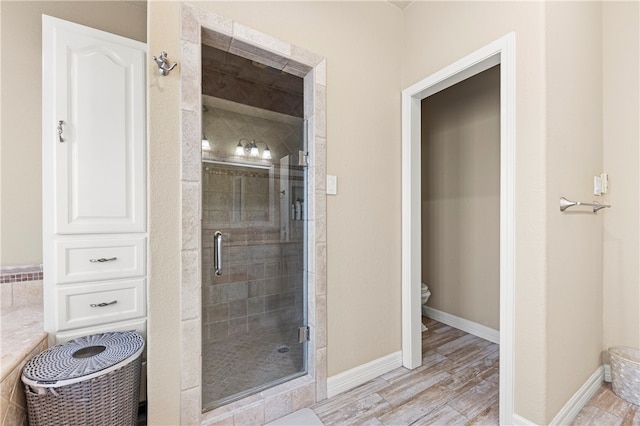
(94, 129)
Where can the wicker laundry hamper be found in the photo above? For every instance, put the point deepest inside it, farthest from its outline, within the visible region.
(92, 380)
(625, 373)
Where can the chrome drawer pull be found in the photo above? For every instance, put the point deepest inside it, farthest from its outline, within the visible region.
(60, 131)
(102, 259)
(103, 304)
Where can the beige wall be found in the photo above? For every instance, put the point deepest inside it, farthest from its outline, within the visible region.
(621, 136)
(363, 150)
(461, 198)
(21, 171)
(554, 128)
(564, 75)
(574, 156)
(435, 34)
(165, 239)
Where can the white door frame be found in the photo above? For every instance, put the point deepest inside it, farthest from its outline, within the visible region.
(501, 51)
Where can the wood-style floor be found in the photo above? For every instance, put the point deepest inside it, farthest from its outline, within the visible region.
(457, 385)
(606, 408)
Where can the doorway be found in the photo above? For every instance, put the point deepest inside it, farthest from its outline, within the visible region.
(461, 204)
(501, 51)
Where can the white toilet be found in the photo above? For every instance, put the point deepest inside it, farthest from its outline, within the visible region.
(426, 293)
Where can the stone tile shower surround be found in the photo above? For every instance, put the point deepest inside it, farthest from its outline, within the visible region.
(202, 26)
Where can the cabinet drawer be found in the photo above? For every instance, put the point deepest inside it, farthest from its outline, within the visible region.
(100, 303)
(99, 259)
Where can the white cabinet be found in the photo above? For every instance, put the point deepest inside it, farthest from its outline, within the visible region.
(94, 174)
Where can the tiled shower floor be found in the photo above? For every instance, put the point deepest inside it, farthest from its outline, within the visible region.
(238, 366)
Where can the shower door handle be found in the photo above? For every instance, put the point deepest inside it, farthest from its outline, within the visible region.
(217, 252)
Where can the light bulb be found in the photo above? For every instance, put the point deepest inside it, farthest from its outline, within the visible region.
(254, 151)
(239, 149)
(266, 154)
(205, 144)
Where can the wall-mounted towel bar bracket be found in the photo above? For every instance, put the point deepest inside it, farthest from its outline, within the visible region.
(565, 204)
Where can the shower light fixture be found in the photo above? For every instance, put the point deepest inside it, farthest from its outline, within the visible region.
(205, 143)
(251, 149)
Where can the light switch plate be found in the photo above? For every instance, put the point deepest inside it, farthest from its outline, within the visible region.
(332, 185)
(604, 183)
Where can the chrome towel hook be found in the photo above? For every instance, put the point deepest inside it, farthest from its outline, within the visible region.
(565, 204)
(162, 63)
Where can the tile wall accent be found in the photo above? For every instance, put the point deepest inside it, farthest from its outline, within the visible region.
(202, 26)
(15, 274)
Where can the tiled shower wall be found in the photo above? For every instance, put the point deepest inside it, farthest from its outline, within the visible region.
(261, 283)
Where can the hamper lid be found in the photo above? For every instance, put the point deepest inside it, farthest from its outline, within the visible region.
(82, 358)
(629, 354)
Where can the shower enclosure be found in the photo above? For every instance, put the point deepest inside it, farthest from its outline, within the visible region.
(254, 332)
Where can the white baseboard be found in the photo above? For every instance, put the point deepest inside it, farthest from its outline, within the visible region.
(349, 379)
(465, 325)
(521, 421)
(571, 409)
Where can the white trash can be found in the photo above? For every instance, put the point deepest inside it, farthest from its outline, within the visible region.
(92, 380)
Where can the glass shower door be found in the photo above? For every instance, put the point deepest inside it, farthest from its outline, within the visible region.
(253, 262)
